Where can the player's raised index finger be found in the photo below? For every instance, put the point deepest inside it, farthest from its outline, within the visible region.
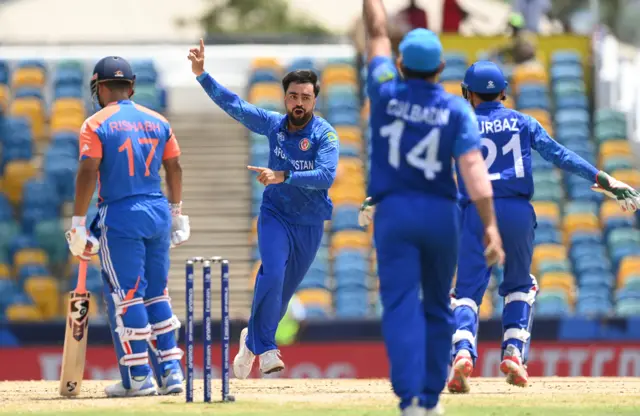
(201, 45)
(255, 168)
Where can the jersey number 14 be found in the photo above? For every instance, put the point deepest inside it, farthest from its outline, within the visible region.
(427, 147)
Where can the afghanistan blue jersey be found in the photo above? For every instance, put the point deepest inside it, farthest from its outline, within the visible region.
(508, 138)
(310, 154)
(417, 129)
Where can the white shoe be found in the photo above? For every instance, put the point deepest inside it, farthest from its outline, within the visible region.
(414, 410)
(512, 367)
(270, 362)
(171, 383)
(435, 411)
(243, 363)
(461, 370)
(143, 387)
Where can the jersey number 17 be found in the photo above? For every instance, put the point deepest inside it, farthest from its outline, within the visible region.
(427, 146)
(127, 146)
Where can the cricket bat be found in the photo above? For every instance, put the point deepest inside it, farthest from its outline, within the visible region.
(75, 336)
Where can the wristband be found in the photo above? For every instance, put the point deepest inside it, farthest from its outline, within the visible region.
(78, 221)
(176, 209)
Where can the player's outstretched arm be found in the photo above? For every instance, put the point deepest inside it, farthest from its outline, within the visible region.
(255, 119)
(375, 23)
(565, 159)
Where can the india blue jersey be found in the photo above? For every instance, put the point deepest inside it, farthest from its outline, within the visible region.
(508, 138)
(417, 129)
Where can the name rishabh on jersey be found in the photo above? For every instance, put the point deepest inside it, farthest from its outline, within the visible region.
(132, 142)
(416, 130)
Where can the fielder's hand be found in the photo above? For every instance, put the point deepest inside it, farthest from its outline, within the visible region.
(493, 253)
(267, 176)
(196, 56)
(365, 216)
(81, 243)
(180, 228)
(628, 198)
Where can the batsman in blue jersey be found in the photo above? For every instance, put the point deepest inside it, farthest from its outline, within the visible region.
(417, 130)
(508, 140)
(295, 202)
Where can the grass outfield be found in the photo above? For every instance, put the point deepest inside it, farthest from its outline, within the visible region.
(271, 397)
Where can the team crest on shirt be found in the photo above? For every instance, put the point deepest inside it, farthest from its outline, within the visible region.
(280, 137)
(305, 144)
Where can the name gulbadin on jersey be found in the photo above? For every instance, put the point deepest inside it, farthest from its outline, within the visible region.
(297, 164)
(415, 113)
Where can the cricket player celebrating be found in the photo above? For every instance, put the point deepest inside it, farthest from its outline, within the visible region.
(122, 147)
(417, 129)
(509, 137)
(295, 203)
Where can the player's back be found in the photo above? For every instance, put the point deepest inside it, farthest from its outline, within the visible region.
(413, 128)
(134, 141)
(506, 146)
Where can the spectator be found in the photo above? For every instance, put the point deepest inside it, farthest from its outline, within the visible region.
(521, 49)
(452, 16)
(532, 11)
(414, 16)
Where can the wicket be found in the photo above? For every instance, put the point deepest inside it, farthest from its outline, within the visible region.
(206, 322)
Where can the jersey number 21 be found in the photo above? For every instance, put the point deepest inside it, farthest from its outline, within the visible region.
(427, 146)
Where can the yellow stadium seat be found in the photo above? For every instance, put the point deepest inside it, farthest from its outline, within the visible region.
(350, 135)
(254, 274)
(542, 116)
(347, 195)
(33, 109)
(266, 63)
(613, 148)
(44, 292)
(350, 166)
(315, 297)
(28, 77)
(5, 97)
(629, 176)
(342, 74)
(16, 173)
(610, 209)
(5, 271)
(543, 252)
(452, 87)
(266, 91)
(529, 74)
(29, 256)
(486, 308)
(66, 122)
(628, 266)
(26, 313)
(350, 239)
(65, 106)
(547, 209)
(580, 222)
(365, 111)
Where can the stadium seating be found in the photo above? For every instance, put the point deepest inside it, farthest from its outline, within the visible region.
(42, 107)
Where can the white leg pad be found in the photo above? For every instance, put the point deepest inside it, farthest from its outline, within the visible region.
(165, 326)
(517, 333)
(161, 298)
(462, 335)
(140, 358)
(456, 303)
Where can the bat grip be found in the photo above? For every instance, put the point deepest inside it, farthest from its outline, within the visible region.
(81, 286)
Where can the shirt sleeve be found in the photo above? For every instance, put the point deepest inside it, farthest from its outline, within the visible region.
(559, 155)
(171, 149)
(89, 141)
(326, 164)
(255, 119)
(381, 72)
(468, 135)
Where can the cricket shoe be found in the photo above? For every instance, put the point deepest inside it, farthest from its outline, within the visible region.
(243, 363)
(435, 411)
(270, 362)
(460, 372)
(143, 387)
(512, 367)
(171, 383)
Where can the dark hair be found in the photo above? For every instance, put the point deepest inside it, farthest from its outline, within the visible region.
(301, 76)
(411, 74)
(117, 85)
(489, 97)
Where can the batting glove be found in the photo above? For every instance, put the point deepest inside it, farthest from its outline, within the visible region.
(180, 229)
(365, 216)
(627, 197)
(81, 243)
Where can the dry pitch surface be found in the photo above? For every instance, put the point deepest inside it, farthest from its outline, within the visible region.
(489, 397)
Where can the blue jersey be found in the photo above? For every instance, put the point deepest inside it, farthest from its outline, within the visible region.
(508, 137)
(310, 154)
(416, 130)
(131, 141)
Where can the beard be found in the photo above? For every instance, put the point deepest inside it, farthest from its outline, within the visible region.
(298, 119)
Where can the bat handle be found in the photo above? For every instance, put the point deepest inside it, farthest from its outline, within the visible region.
(81, 287)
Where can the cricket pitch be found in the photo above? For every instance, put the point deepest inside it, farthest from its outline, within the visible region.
(306, 397)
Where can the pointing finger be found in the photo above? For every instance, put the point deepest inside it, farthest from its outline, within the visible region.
(255, 168)
(201, 45)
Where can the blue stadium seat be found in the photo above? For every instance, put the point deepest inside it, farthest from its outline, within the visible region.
(572, 117)
(597, 280)
(347, 118)
(566, 72)
(302, 63)
(592, 265)
(547, 236)
(6, 210)
(345, 217)
(566, 56)
(552, 304)
(28, 92)
(68, 91)
(9, 290)
(572, 101)
(317, 275)
(33, 63)
(145, 71)
(352, 303)
(94, 279)
(60, 168)
(524, 102)
(587, 249)
(455, 73)
(580, 207)
(30, 270)
(349, 150)
(455, 59)
(16, 146)
(40, 202)
(5, 72)
(67, 140)
(569, 133)
(585, 237)
(593, 307)
(264, 75)
(68, 77)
